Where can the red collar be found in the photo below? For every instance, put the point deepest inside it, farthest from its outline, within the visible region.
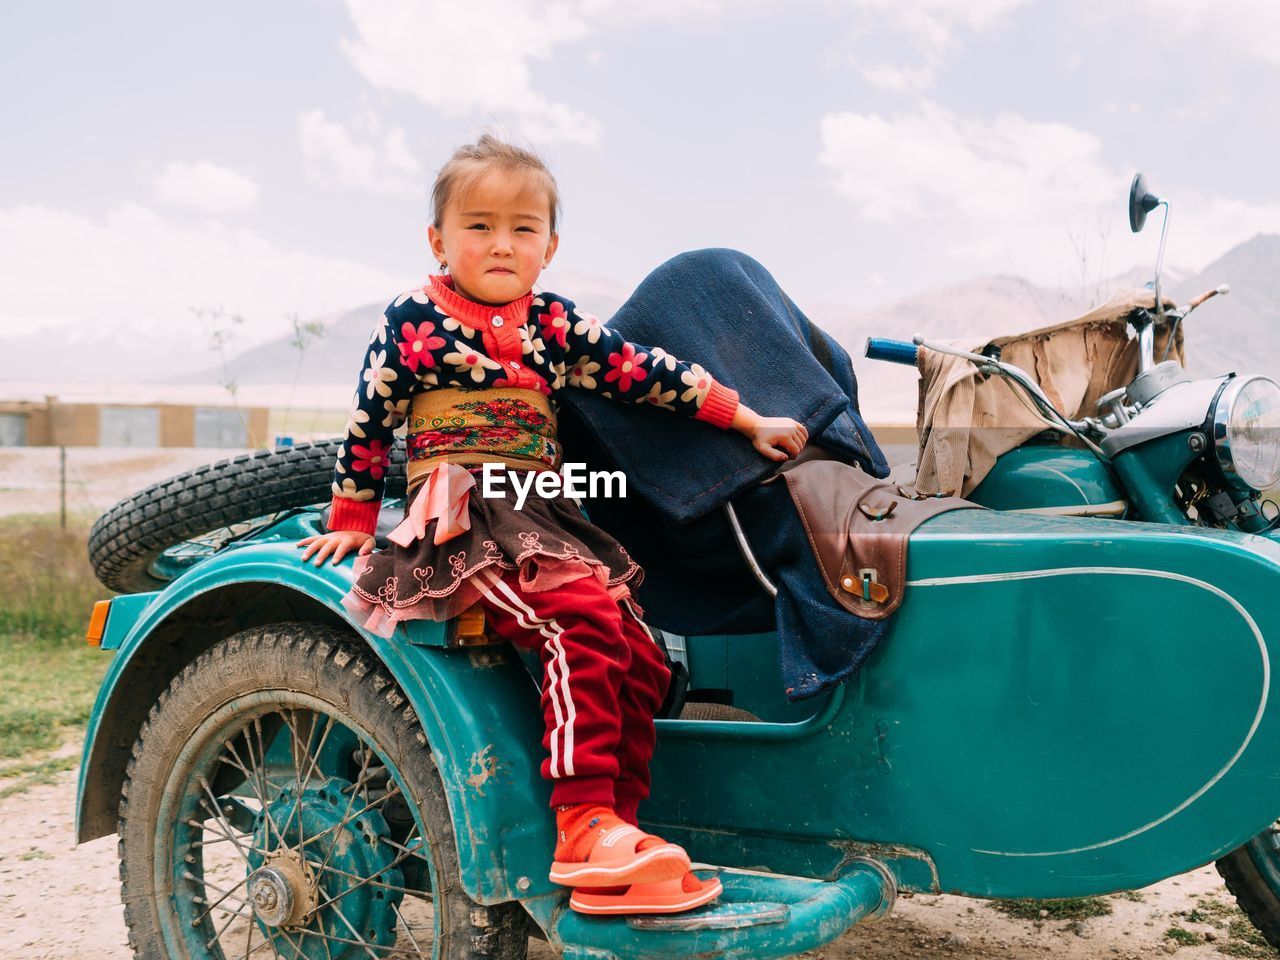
(478, 315)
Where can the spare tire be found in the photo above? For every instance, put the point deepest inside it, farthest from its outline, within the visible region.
(145, 540)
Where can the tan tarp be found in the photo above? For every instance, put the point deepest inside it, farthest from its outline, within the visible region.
(965, 421)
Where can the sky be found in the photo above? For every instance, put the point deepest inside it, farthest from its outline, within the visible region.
(167, 162)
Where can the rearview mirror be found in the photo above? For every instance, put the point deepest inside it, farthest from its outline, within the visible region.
(1141, 202)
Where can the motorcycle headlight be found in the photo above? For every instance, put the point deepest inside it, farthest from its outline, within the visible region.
(1246, 431)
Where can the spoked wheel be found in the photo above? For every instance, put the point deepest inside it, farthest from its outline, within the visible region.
(282, 802)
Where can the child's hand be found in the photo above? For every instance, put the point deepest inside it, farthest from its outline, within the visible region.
(778, 438)
(337, 542)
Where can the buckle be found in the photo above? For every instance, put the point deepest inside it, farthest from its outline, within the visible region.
(871, 513)
(867, 585)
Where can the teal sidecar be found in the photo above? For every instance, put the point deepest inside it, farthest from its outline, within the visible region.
(1065, 705)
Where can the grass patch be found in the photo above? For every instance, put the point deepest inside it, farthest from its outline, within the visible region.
(1245, 932)
(36, 855)
(46, 692)
(1183, 938)
(48, 675)
(1211, 909)
(1238, 948)
(1133, 896)
(1072, 908)
(18, 777)
(49, 587)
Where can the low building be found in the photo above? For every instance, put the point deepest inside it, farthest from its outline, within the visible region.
(51, 423)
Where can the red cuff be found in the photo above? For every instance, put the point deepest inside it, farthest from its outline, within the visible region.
(358, 515)
(719, 407)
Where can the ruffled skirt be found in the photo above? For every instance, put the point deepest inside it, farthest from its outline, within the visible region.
(548, 541)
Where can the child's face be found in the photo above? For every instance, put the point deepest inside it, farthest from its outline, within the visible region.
(496, 237)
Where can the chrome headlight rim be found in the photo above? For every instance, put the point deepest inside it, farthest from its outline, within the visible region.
(1223, 407)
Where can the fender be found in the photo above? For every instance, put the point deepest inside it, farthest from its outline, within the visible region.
(478, 707)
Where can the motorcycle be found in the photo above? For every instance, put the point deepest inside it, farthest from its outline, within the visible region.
(1073, 699)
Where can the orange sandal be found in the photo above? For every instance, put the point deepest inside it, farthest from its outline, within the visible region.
(665, 896)
(614, 861)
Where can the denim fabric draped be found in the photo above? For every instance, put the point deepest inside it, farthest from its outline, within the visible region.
(723, 310)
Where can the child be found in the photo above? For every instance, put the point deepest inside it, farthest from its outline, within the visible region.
(474, 361)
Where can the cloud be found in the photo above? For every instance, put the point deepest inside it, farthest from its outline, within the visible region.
(370, 161)
(1012, 194)
(886, 76)
(1008, 195)
(995, 171)
(1249, 28)
(206, 186)
(137, 273)
(1203, 228)
(932, 23)
(476, 59)
(471, 58)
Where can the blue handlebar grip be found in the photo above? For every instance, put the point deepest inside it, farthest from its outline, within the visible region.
(895, 351)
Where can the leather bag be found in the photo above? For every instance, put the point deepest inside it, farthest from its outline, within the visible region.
(858, 527)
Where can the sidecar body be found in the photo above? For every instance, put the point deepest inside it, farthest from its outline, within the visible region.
(1064, 705)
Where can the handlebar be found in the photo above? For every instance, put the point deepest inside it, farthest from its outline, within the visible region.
(894, 351)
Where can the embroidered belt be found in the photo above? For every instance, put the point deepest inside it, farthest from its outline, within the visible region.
(453, 428)
(490, 425)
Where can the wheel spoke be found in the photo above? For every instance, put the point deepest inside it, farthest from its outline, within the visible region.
(304, 778)
(225, 894)
(250, 778)
(255, 777)
(212, 802)
(323, 938)
(346, 819)
(356, 933)
(217, 934)
(377, 883)
(261, 769)
(188, 875)
(364, 880)
(246, 913)
(219, 836)
(366, 753)
(418, 851)
(331, 938)
(297, 947)
(372, 804)
(407, 929)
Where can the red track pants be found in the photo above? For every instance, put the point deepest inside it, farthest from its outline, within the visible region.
(603, 679)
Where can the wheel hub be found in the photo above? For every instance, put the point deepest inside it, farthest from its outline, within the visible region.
(283, 891)
(329, 869)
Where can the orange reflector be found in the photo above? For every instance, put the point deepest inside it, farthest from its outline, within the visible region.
(97, 623)
(469, 626)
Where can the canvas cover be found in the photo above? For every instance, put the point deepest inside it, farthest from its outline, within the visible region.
(965, 420)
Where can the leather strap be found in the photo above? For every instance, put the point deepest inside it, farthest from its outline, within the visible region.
(858, 528)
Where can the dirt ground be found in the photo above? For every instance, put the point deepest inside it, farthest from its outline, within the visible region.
(60, 902)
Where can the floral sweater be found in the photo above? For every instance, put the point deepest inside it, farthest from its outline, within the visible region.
(435, 337)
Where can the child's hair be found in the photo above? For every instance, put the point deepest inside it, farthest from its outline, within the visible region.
(471, 161)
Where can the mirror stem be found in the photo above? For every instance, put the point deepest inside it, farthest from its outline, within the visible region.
(1164, 229)
(1147, 343)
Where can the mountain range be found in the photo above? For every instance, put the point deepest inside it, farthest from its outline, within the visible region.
(1239, 331)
